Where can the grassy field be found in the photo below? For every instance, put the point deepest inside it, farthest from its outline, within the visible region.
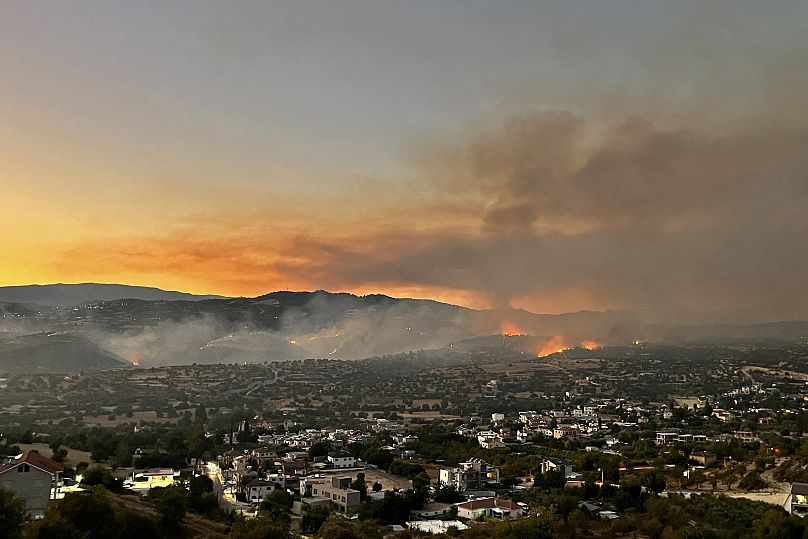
(74, 456)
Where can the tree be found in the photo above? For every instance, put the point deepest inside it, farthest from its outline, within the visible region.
(654, 481)
(123, 454)
(200, 414)
(314, 518)
(54, 528)
(59, 454)
(12, 514)
(696, 532)
(91, 515)
(550, 480)
(201, 497)
(579, 521)
(360, 485)
(196, 440)
(257, 528)
(339, 528)
(101, 475)
(420, 481)
(246, 433)
(319, 449)
(276, 507)
(448, 494)
(171, 505)
(132, 525)
(752, 481)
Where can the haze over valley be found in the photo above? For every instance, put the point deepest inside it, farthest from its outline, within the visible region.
(149, 327)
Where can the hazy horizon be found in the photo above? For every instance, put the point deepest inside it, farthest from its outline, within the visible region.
(555, 157)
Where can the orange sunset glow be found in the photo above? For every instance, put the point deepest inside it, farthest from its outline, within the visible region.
(227, 154)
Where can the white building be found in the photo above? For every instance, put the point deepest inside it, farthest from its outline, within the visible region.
(559, 465)
(260, 490)
(436, 526)
(474, 474)
(342, 459)
(490, 507)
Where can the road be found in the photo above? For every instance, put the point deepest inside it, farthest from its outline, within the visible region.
(227, 501)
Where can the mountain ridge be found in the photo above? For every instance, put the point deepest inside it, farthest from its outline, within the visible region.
(71, 294)
(286, 324)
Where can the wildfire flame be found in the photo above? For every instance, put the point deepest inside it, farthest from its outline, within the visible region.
(559, 344)
(508, 328)
(135, 359)
(555, 345)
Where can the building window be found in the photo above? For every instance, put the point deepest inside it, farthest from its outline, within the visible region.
(23, 468)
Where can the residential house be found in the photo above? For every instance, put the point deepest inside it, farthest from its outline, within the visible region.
(259, 490)
(262, 456)
(559, 465)
(34, 478)
(490, 440)
(474, 474)
(797, 500)
(746, 436)
(702, 457)
(597, 511)
(564, 431)
(145, 481)
(338, 491)
(489, 507)
(342, 459)
(665, 438)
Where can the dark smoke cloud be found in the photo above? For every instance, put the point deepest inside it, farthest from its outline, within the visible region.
(681, 223)
(677, 222)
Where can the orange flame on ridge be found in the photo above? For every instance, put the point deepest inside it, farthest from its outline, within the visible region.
(508, 328)
(555, 345)
(559, 344)
(591, 345)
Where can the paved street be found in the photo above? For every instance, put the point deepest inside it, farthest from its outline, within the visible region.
(226, 499)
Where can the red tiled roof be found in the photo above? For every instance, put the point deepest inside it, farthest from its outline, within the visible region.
(485, 503)
(33, 458)
(510, 505)
(489, 503)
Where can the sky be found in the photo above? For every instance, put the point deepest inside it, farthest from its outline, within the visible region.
(552, 156)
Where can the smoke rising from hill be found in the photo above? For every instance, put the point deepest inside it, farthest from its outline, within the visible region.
(679, 223)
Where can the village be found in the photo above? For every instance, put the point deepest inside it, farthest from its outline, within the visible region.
(378, 440)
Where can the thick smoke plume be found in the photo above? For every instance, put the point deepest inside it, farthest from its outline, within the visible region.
(680, 224)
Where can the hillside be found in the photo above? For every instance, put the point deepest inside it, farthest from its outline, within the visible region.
(65, 295)
(54, 352)
(295, 325)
